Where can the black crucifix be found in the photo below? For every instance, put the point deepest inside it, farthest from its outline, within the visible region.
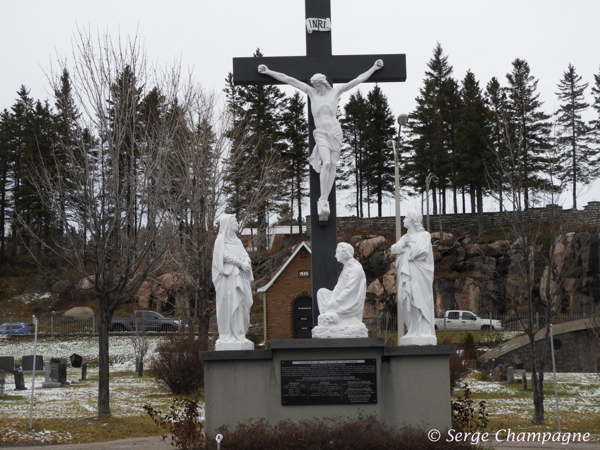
(338, 69)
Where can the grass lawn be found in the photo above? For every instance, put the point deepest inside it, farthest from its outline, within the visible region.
(511, 407)
(69, 414)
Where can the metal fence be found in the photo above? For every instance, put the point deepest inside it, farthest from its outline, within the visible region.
(58, 325)
(380, 326)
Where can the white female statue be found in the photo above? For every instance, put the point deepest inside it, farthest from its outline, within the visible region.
(328, 133)
(232, 277)
(414, 288)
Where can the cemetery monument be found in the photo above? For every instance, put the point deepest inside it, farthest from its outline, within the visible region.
(302, 379)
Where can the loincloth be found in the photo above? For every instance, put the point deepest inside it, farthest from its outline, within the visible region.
(331, 140)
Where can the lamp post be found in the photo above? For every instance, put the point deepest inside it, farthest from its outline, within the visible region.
(395, 146)
(428, 180)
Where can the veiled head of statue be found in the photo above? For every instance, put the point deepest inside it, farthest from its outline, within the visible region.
(228, 225)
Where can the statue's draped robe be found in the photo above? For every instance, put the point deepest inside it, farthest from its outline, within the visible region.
(414, 289)
(332, 140)
(347, 299)
(232, 285)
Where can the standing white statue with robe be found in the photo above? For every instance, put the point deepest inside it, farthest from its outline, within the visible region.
(414, 288)
(341, 310)
(232, 277)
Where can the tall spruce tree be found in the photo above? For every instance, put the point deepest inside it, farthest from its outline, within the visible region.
(379, 160)
(430, 132)
(260, 108)
(531, 130)
(354, 127)
(5, 155)
(578, 162)
(295, 154)
(496, 100)
(595, 124)
(473, 137)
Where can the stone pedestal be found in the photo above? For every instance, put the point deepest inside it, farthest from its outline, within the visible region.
(418, 340)
(246, 345)
(410, 384)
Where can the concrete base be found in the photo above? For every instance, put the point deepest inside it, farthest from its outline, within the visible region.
(418, 340)
(51, 384)
(340, 332)
(413, 383)
(246, 345)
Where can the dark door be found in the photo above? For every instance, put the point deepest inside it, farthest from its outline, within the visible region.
(303, 318)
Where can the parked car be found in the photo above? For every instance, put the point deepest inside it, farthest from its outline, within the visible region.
(147, 321)
(16, 328)
(466, 320)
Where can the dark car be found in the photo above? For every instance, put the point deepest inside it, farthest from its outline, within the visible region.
(16, 328)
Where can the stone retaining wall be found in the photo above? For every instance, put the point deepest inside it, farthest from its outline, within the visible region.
(589, 215)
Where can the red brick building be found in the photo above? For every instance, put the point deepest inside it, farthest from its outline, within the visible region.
(287, 298)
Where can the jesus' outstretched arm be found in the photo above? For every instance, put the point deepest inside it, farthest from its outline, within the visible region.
(284, 78)
(362, 77)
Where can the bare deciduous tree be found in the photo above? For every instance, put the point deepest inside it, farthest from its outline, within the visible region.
(539, 271)
(106, 188)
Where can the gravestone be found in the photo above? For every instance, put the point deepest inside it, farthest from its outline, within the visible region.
(19, 381)
(28, 363)
(510, 375)
(496, 374)
(51, 374)
(76, 360)
(62, 373)
(83, 372)
(7, 363)
(2, 394)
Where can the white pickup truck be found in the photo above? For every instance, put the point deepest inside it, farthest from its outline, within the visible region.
(466, 320)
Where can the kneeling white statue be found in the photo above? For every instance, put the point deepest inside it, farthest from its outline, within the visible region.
(414, 287)
(341, 310)
(232, 277)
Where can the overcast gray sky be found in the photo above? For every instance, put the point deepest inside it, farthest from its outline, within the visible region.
(482, 35)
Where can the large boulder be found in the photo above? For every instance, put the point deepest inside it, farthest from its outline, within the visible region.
(79, 312)
(389, 282)
(376, 288)
(367, 247)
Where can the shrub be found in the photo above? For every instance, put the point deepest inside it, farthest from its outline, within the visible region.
(362, 433)
(469, 350)
(184, 424)
(457, 371)
(465, 416)
(177, 365)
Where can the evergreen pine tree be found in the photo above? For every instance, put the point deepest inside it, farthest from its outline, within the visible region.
(354, 127)
(430, 142)
(530, 128)
(379, 160)
(295, 133)
(474, 137)
(595, 124)
(577, 161)
(260, 109)
(496, 100)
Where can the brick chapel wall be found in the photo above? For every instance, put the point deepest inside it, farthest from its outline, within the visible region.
(590, 215)
(281, 295)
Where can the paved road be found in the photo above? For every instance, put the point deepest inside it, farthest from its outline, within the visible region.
(144, 443)
(156, 443)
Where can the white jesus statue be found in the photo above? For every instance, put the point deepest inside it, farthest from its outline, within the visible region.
(328, 133)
